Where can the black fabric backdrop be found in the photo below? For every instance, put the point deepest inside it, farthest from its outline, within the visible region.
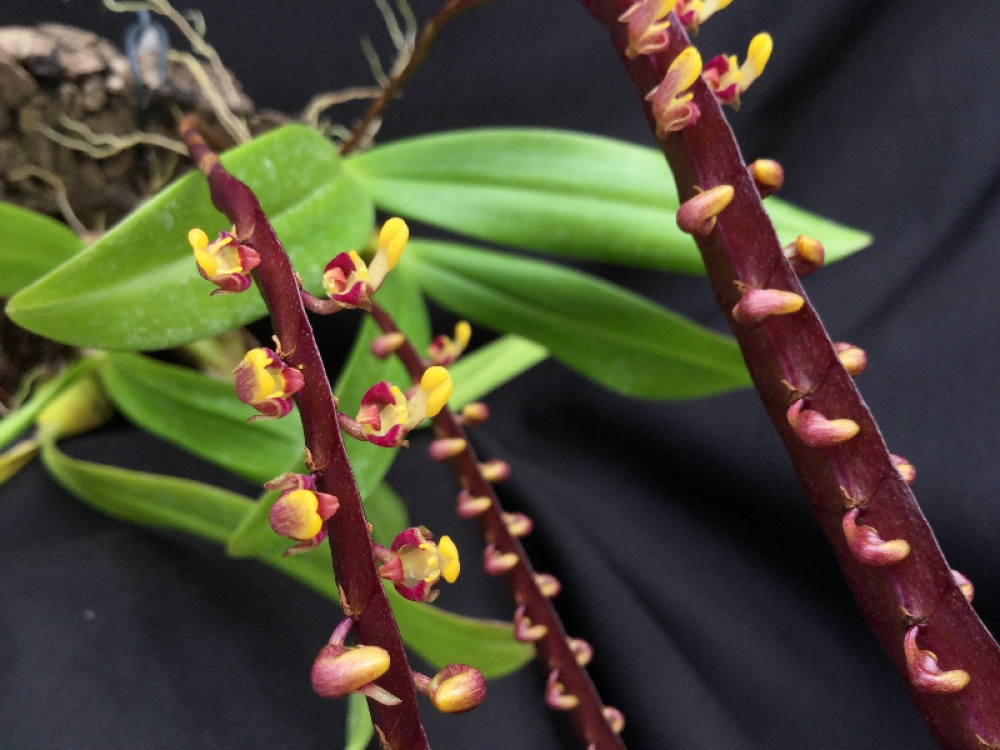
(688, 556)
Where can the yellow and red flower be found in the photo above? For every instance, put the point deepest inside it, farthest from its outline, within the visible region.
(414, 563)
(300, 513)
(226, 262)
(266, 383)
(387, 414)
(728, 79)
(350, 282)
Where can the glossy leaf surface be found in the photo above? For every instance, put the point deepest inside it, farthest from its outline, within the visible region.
(610, 335)
(559, 192)
(202, 415)
(138, 288)
(31, 245)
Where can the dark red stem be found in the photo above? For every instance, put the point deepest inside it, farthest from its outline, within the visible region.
(553, 649)
(362, 596)
(790, 356)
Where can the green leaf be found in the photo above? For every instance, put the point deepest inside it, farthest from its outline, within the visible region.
(401, 298)
(360, 729)
(138, 288)
(202, 415)
(31, 245)
(488, 368)
(149, 499)
(558, 192)
(612, 336)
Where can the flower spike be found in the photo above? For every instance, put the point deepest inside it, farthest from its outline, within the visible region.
(646, 31)
(728, 80)
(350, 282)
(414, 563)
(693, 13)
(266, 383)
(925, 674)
(445, 350)
(672, 108)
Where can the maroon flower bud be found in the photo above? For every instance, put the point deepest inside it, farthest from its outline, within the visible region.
(805, 254)
(925, 674)
(445, 448)
(339, 670)
(497, 563)
(696, 215)
(868, 547)
(457, 689)
(583, 652)
(817, 431)
(548, 584)
(556, 696)
(768, 175)
(757, 305)
(852, 358)
(469, 507)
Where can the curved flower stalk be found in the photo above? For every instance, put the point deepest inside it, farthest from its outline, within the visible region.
(266, 384)
(535, 620)
(915, 604)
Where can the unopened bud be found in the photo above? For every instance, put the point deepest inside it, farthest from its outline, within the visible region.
(469, 507)
(445, 448)
(82, 407)
(548, 584)
(339, 671)
(388, 343)
(615, 718)
(906, 470)
(768, 176)
(868, 547)
(457, 689)
(852, 358)
(495, 470)
(757, 305)
(474, 414)
(817, 431)
(497, 563)
(583, 652)
(556, 696)
(964, 585)
(696, 215)
(524, 629)
(518, 524)
(805, 254)
(924, 672)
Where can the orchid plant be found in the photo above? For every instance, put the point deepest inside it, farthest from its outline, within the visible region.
(293, 216)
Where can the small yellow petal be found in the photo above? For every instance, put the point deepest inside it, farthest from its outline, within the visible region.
(760, 51)
(688, 65)
(463, 332)
(198, 239)
(437, 382)
(449, 551)
(392, 239)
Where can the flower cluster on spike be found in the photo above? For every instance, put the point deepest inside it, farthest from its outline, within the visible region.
(350, 282)
(445, 350)
(300, 513)
(226, 262)
(672, 108)
(693, 13)
(728, 79)
(647, 32)
(387, 414)
(266, 383)
(415, 563)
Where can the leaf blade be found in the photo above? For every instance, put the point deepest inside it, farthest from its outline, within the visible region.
(31, 245)
(558, 192)
(486, 369)
(201, 415)
(658, 354)
(137, 287)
